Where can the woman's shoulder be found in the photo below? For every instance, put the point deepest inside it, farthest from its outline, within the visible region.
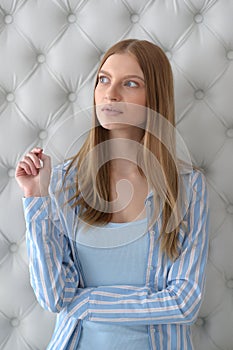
(190, 171)
(193, 180)
(196, 175)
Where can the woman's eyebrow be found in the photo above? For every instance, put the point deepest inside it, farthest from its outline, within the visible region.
(125, 76)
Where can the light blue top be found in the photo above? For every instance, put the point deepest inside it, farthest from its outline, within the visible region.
(119, 257)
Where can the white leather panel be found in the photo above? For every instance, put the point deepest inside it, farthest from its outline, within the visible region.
(49, 53)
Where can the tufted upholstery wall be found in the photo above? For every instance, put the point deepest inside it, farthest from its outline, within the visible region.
(49, 52)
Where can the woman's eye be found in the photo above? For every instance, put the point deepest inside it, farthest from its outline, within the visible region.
(103, 80)
(131, 83)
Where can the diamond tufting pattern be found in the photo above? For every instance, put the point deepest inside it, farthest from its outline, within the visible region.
(49, 53)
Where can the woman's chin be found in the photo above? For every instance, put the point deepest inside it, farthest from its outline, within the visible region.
(114, 126)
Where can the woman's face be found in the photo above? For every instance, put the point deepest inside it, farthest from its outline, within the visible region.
(120, 94)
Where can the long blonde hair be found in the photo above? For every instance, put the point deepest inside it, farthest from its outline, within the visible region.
(94, 182)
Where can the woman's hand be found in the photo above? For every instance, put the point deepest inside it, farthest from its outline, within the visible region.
(33, 173)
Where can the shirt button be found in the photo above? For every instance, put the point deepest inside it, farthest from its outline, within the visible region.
(152, 267)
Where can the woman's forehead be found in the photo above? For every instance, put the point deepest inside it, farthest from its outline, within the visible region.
(122, 63)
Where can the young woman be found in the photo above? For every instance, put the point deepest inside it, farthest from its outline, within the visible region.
(117, 236)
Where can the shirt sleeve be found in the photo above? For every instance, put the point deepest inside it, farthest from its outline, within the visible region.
(54, 273)
(180, 301)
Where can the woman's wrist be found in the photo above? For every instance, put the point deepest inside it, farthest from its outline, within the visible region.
(41, 193)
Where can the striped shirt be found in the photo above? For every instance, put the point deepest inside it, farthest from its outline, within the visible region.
(168, 303)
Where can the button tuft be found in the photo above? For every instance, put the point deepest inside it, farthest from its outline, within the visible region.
(11, 172)
(71, 18)
(72, 97)
(198, 18)
(230, 284)
(230, 55)
(8, 19)
(41, 58)
(134, 18)
(13, 247)
(229, 132)
(14, 322)
(43, 134)
(200, 322)
(169, 55)
(199, 94)
(10, 97)
(230, 209)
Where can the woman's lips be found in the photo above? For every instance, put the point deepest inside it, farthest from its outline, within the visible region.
(111, 111)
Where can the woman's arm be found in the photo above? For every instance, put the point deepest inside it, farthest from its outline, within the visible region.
(180, 301)
(53, 275)
(54, 271)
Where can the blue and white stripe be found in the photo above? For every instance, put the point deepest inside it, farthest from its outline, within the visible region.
(171, 297)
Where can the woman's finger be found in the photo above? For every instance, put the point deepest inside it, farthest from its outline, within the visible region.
(23, 169)
(34, 157)
(31, 167)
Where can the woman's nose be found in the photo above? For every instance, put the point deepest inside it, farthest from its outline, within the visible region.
(112, 93)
